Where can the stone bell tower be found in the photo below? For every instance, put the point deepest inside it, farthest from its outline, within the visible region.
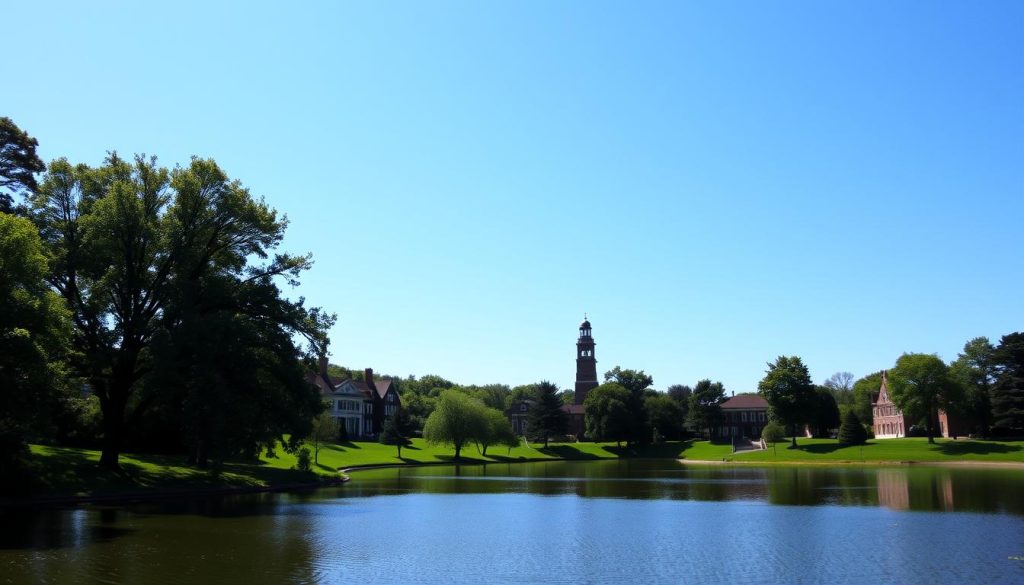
(586, 363)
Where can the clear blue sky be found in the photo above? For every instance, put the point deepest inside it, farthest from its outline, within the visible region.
(716, 184)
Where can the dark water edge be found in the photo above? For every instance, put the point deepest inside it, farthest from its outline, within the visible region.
(624, 521)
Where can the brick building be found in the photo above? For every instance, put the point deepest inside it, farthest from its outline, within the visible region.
(743, 417)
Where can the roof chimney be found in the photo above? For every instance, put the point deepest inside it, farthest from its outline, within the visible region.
(323, 366)
(734, 393)
(368, 376)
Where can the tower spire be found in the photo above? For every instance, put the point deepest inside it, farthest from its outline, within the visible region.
(586, 363)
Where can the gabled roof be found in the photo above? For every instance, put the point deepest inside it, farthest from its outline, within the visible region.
(383, 386)
(745, 402)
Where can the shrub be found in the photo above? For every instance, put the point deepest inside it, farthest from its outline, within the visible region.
(773, 433)
(851, 432)
(304, 461)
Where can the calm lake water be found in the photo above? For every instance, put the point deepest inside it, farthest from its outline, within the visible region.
(638, 521)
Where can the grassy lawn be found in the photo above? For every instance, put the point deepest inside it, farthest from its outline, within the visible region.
(67, 471)
(908, 449)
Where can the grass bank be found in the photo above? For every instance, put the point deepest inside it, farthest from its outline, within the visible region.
(74, 473)
(887, 451)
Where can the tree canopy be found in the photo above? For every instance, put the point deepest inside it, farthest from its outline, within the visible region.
(705, 409)
(456, 420)
(170, 278)
(636, 382)
(546, 417)
(606, 413)
(1008, 388)
(974, 369)
(790, 393)
(920, 384)
(34, 337)
(19, 163)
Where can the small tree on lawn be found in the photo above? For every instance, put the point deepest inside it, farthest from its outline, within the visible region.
(325, 428)
(457, 419)
(498, 432)
(852, 432)
(398, 429)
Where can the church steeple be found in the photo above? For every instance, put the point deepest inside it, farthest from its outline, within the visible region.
(586, 363)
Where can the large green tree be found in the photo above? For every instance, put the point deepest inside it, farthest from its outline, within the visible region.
(457, 419)
(920, 384)
(1008, 389)
(826, 412)
(665, 415)
(636, 382)
(34, 338)
(863, 390)
(705, 411)
(681, 394)
(19, 163)
(790, 393)
(158, 268)
(606, 413)
(546, 417)
(975, 370)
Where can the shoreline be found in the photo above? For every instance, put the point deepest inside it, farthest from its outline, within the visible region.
(853, 462)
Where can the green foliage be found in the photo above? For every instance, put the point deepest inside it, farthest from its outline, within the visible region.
(606, 413)
(497, 430)
(546, 417)
(325, 429)
(457, 420)
(18, 162)
(826, 412)
(852, 432)
(171, 279)
(34, 338)
(303, 461)
(1008, 388)
(975, 371)
(681, 394)
(920, 384)
(705, 411)
(790, 393)
(636, 383)
(773, 432)
(862, 391)
(398, 430)
(665, 415)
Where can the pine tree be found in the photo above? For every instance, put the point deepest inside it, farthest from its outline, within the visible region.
(546, 416)
(1008, 390)
(852, 432)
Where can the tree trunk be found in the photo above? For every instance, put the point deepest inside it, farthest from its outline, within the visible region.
(113, 432)
(399, 450)
(458, 449)
(931, 433)
(484, 453)
(793, 429)
(545, 441)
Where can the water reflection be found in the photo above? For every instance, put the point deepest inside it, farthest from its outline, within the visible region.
(607, 512)
(896, 488)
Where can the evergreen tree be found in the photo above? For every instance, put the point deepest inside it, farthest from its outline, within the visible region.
(852, 432)
(546, 416)
(1008, 390)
